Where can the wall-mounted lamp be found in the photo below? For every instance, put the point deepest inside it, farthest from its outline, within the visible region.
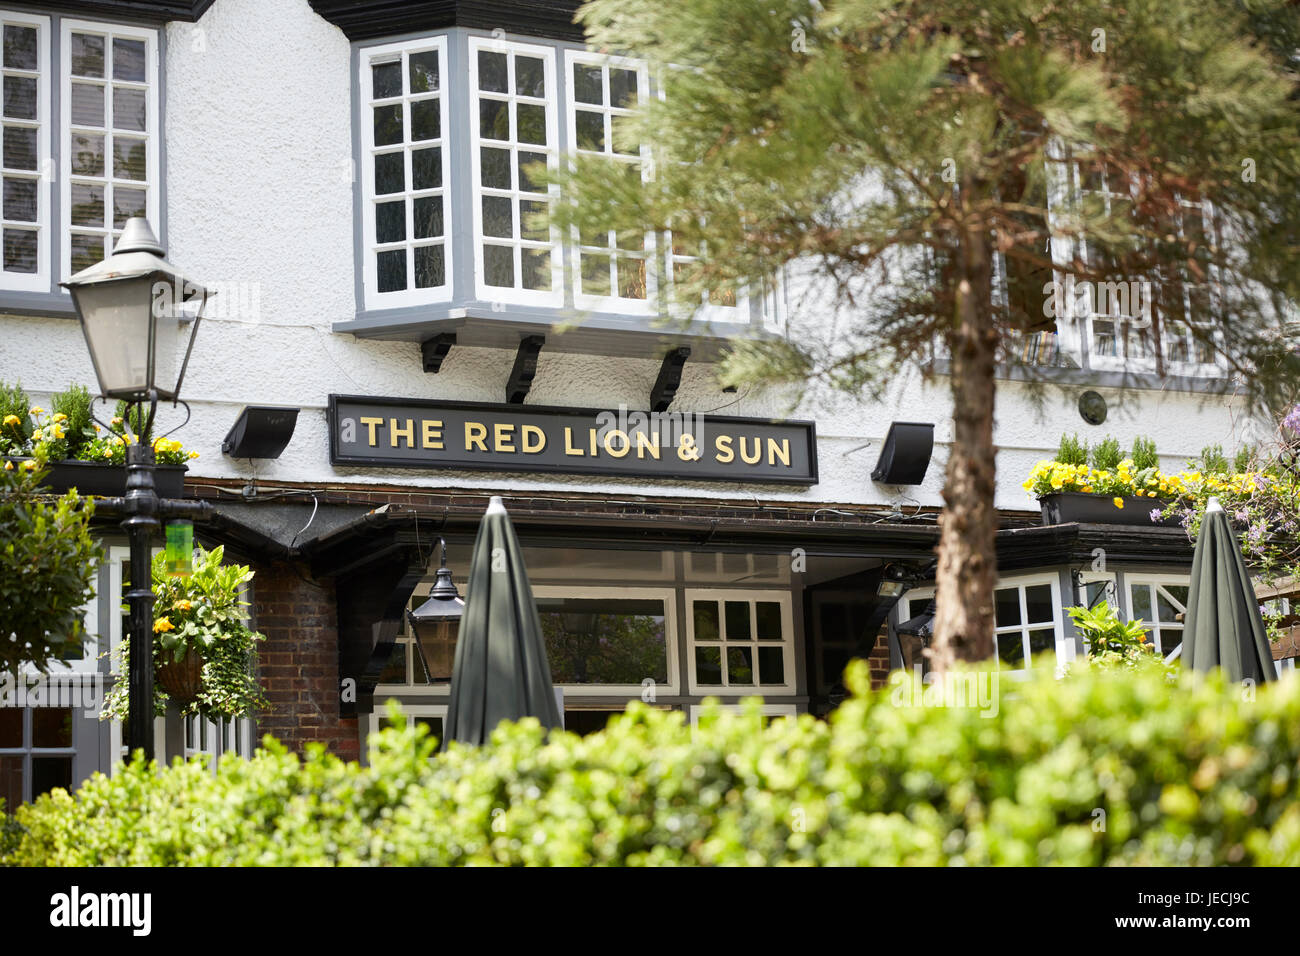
(435, 624)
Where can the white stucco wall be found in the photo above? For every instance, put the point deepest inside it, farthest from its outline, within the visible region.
(259, 201)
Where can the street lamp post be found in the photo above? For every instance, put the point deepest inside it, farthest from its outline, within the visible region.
(133, 309)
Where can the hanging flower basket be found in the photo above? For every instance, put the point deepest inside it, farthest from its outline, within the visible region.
(1072, 506)
(182, 680)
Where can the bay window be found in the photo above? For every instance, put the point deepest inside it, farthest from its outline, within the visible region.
(25, 148)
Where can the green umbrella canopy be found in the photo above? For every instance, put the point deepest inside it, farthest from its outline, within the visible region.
(500, 672)
(1223, 626)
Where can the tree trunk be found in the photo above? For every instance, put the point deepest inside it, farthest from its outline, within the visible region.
(967, 569)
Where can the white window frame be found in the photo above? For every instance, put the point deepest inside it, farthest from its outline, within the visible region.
(377, 719)
(669, 598)
(612, 302)
(707, 311)
(369, 57)
(38, 281)
(95, 640)
(767, 710)
(1154, 628)
(153, 181)
(517, 295)
(787, 642)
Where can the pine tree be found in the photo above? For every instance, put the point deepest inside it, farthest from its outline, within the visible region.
(899, 148)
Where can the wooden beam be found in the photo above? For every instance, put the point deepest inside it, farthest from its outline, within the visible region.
(525, 369)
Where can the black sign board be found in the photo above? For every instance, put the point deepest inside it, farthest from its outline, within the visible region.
(481, 436)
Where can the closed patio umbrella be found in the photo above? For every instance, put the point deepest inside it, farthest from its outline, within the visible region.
(1223, 626)
(500, 670)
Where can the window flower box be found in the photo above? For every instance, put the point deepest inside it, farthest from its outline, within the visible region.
(1072, 506)
(106, 479)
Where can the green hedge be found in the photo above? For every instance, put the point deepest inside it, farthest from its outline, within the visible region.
(1100, 767)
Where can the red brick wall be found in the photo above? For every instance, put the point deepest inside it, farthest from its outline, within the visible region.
(298, 663)
(879, 660)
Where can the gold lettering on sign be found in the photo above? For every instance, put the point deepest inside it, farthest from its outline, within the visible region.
(644, 444)
(475, 435)
(408, 433)
(758, 451)
(534, 439)
(370, 423)
(624, 445)
(568, 443)
(781, 451)
(503, 437)
(723, 444)
(432, 434)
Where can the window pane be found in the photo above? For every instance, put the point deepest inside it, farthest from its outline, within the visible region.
(1141, 594)
(631, 278)
(129, 158)
(426, 120)
(390, 173)
(528, 210)
(20, 250)
(20, 47)
(530, 77)
(128, 60)
(706, 621)
(426, 168)
(604, 641)
(494, 119)
(430, 267)
(390, 221)
(127, 203)
(19, 147)
(740, 665)
(1006, 607)
(386, 79)
(526, 159)
(87, 155)
(590, 130)
(394, 671)
(494, 167)
(87, 55)
(51, 727)
(87, 105)
(536, 266)
(1169, 610)
(20, 199)
(498, 217)
(50, 772)
(388, 124)
(392, 270)
(587, 84)
(128, 109)
(11, 780)
(622, 87)
(738, 621)
(20, 97)
(86, 251)
(432, 724)
(771, 665)
(492, 72)
(1011, 649)
(708, 666)
(424, 71)
(768, 614)
(1042, 641)
(584, 722)
(532, 123)
(595, 274)
(428, 217)
(1038, 604)
(11, 728)
(499, 266)
(87, 205)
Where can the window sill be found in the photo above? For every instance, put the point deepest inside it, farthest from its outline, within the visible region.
(1100, 378)
(55, 304)
(478, 325)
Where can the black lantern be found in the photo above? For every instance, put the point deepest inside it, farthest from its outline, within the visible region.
(436, 622)
(135, 307)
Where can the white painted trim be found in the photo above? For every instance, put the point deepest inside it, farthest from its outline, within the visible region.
(1155, 627)
(153, 182)
(722, 595)
(44, 172)
(369, 56)
(769, 710)
(517, 295)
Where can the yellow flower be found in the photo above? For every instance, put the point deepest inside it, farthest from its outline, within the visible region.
(1119, 502)
(13, 420)
(162, 624)
(183, 605)
(60, 417)
(116, 421)
(9, 466)
(193, 455)
(58, 432)
(37, 410)
(1087, 489)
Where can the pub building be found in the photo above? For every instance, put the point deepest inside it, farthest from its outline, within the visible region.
(392, 344)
